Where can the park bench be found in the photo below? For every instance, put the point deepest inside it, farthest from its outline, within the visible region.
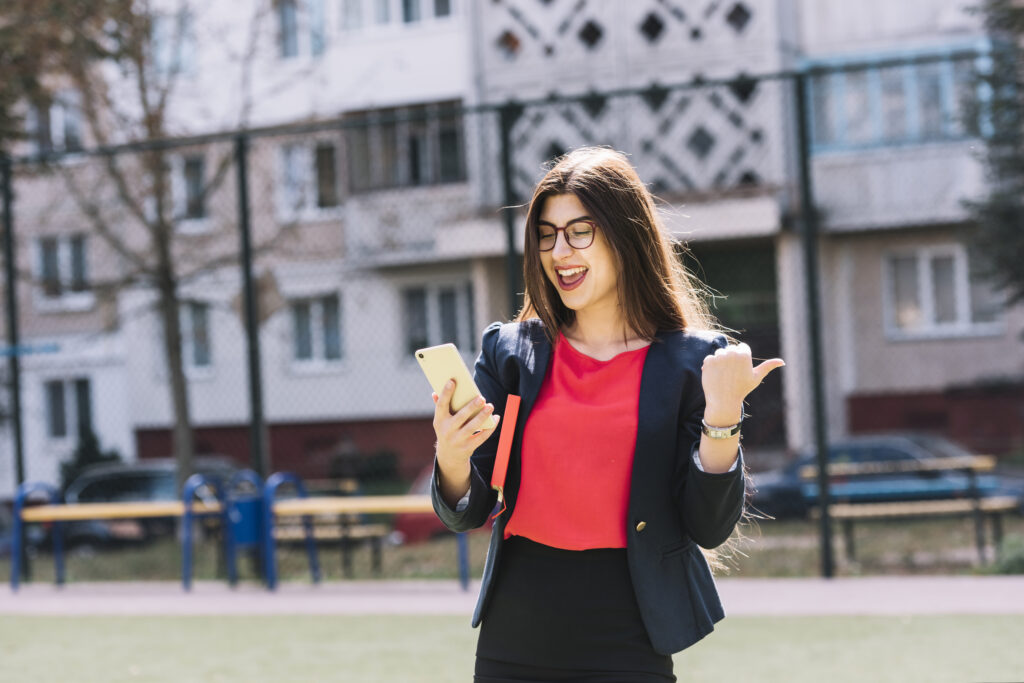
(345, 531)
(55, 512)
(283, 520)
(974, 505)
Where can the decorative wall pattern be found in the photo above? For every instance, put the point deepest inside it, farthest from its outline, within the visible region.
(556, 29)
(710, 138)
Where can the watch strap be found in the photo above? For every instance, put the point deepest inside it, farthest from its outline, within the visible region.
(720, 432)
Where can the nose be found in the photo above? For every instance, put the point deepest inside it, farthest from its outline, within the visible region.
(562, 249)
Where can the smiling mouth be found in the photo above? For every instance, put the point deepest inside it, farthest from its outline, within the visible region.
(570, 278)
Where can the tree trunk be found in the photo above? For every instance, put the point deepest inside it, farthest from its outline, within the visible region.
(169, 303)
(182, 440)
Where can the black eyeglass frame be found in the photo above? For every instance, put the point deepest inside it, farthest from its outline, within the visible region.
(564, 228)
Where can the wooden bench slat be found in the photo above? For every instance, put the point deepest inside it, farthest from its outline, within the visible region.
(124, 510)
(919, 508)
(333, 533)
(352, 504)
(977, 463)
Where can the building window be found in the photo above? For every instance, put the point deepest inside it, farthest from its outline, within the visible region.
(173, 43)
(287, 28)
(68, 407)
(316, 329)
(410, 11)
(351, 15)
(360, 14)
(938, 290)
(195, 335)
(889, 105)
(317, 27)
(63, 265)
(309, 180)
(195, 201)
(56, 126)
(439, 314)
(326, 176)
(189, 188)
(421, 145)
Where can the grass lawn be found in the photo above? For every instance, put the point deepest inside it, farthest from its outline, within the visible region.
(416, 648)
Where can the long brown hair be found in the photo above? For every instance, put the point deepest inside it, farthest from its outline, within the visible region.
(655, 290)
(658, 293)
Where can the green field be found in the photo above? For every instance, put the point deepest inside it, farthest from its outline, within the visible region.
(415, 648)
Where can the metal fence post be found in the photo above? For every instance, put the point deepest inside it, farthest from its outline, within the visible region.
(809, 235)
(508, 114)
(13, 336)
(258, 450)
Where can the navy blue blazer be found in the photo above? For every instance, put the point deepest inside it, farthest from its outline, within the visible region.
(673, 505)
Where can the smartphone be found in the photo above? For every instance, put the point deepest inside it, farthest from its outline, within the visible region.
(444, 362)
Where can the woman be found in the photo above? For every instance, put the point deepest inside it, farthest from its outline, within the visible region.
(593, 571)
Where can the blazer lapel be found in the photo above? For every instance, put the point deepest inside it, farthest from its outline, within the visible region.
(657, 411)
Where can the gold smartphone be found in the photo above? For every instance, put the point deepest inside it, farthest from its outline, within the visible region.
(444, 362)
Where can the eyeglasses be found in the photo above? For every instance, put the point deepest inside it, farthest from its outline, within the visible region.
(579, 235)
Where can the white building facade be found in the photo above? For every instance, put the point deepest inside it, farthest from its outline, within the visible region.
(387, 233)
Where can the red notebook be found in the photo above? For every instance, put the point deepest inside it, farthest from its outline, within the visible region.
(508, 430)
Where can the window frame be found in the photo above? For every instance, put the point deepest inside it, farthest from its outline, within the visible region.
(383, 140)
(318, 361)
(465, 314)
(923, 257)
(187, 323)
(828, 87)
(173, 44)
(312, 25)
(391, 15)
(309, 182)
(63, 110)
(70, 298)
(72, 410)
(183, 223)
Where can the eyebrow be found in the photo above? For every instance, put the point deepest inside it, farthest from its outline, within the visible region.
(574, 220)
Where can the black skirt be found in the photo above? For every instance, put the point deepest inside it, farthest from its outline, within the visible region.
(565, 615)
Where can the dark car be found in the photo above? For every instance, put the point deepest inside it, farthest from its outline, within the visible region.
(144, 480)
(785, 493)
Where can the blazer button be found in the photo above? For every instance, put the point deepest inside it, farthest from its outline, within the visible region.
(641, 526)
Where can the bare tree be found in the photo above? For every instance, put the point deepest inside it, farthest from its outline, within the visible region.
(125, 58)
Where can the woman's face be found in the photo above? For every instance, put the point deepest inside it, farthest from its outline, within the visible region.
(586, 279)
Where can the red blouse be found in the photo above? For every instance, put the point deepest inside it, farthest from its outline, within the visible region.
(577, 454)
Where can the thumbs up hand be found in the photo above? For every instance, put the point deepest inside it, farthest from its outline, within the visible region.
(728, 376)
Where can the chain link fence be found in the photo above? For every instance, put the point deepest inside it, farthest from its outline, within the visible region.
(266, 288)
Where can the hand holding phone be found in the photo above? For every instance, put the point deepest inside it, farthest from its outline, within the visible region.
(443, 363)
(458, 422)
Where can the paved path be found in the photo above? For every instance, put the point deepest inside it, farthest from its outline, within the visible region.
(742, 597)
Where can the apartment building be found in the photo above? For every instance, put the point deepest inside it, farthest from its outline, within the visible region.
(387, 232)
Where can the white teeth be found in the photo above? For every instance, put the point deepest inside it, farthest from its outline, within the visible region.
(572, 271)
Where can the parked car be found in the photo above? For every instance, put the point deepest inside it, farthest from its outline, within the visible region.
(143, 480)
(784, 493)
(416, 527)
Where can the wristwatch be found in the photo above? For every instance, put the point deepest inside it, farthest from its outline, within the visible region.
(720, 432)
